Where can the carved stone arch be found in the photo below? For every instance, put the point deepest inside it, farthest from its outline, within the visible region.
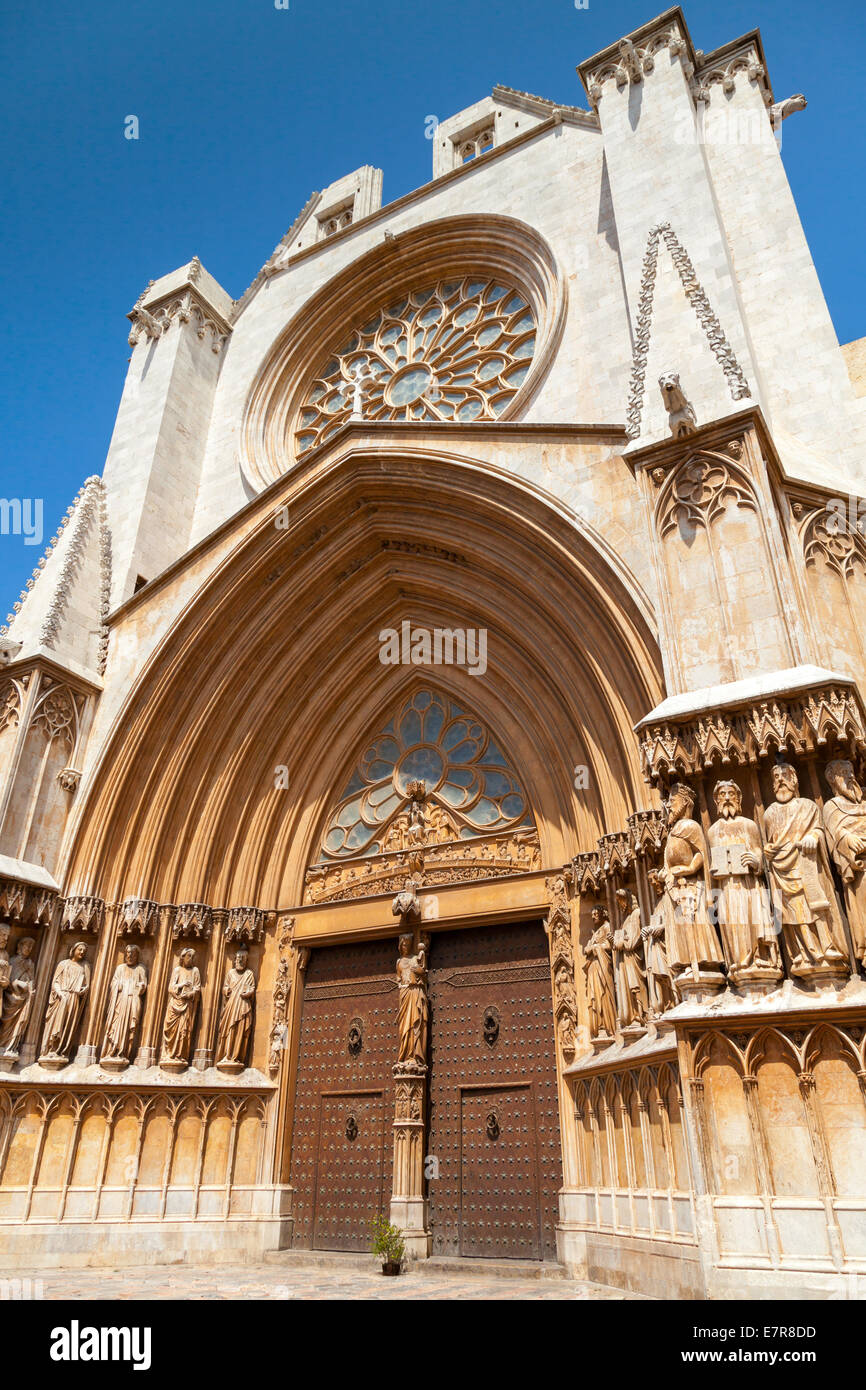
(842, 548)
(718, 1047)
(814, 1046)
(714, 541)
(832, 555)
(757, 1047)
(646, 1082)
(450, 248)
(57, 714)
(183, 803)
(11, 702)
(595, 1093)
(612, 1091)
(699, 489)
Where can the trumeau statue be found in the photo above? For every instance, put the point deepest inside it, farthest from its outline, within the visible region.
(743, 903)
(803, 891)
(18, 997)
(413, 1007)
(660, 985)
(65, 1004)
(236, 1020)
(184, 992)
(631, 997)
(598, 967)
(125, 1000)
(691, 944)
(845, 824)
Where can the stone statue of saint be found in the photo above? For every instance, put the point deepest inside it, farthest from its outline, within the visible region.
(236, 1019)
(413, 1007)
(691, 944)
(598, 968)
(18, 997)
(631, 997)
(4, 964)
(660, 985)
(744, 915)
(65, 1004)
(845, 824)
(184, 992)
(803, 892)
(125, 999)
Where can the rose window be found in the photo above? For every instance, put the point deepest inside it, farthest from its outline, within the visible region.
(459, 350)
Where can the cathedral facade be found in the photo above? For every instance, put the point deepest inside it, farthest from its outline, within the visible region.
(431, 752)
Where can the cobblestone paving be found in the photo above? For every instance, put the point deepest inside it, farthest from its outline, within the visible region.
(278, 1282)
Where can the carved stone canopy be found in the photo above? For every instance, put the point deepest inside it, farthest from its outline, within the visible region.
(804, 721)
(138, 917)
(245, 924)
(192, 920)
(82, 914)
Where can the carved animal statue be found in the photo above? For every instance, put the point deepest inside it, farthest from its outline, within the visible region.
(781, 110)
(681, 416)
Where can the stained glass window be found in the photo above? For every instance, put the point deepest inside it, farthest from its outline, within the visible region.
(458, 350)
(430, 740)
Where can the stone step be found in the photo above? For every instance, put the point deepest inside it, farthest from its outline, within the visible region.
(438, 1264)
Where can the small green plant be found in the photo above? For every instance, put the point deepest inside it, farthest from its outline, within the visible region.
(387, 1240)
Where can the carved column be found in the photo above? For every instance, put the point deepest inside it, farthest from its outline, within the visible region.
(408, 1201)
(284, 1038)
(203, 1057)
(148, 1049)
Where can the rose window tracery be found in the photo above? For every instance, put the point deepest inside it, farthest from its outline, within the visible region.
(457, 350)
(463, 771)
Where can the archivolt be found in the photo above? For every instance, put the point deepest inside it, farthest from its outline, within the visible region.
(276, 663)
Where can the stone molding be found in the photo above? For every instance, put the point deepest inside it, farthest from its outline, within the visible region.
(455, 861)
(89, 505)
(696, 295)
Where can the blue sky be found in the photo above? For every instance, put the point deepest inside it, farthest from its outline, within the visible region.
(245, 109)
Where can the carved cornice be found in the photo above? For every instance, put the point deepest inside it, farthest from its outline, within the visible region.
(801, 723)
(632, 58)
(741, 60)
(185, 306)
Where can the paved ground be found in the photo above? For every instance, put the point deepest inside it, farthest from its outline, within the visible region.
(278, 1282)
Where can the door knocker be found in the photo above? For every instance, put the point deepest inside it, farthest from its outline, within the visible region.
(351, 1128)
(356, 1037)
(490, 1025)
(492, 1126)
